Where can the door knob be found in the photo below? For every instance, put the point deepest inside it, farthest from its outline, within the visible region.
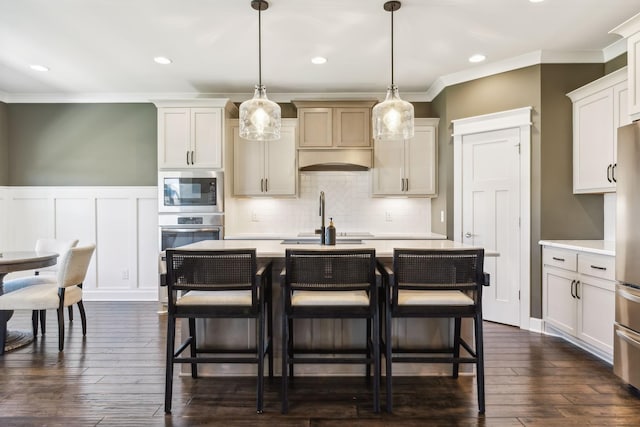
(467, 235)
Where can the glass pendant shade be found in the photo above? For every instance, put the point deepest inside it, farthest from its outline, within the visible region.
(260, 117)
(393, 117)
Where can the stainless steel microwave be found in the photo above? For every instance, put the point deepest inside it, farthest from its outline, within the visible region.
(190, 191)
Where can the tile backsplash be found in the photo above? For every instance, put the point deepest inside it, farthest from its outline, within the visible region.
(347, 200)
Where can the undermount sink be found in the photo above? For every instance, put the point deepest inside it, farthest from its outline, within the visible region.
(316, 240)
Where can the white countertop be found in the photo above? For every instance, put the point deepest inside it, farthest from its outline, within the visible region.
(274, 249)
(367, 236)
(602, 247)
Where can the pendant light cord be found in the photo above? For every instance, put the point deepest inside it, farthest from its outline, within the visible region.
(392, 11)
(260, 45)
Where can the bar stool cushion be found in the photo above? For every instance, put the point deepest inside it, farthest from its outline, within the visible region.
(407, 297)
(317, 298)
(39, 297)
(215, 298)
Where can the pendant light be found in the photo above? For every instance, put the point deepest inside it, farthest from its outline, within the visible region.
(259, 117)
(392, 118)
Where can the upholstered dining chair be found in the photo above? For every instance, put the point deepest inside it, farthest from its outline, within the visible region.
(218, 284)
(60, 247)
(329, 284)
(48, 292)
(430, 283)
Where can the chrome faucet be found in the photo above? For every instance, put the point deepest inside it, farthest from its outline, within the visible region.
(321, 213)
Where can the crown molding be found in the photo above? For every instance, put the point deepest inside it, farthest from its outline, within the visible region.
(476, 72)
(614, 50)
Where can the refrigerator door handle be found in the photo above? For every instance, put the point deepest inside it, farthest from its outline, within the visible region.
(628, 295)
(627, 338)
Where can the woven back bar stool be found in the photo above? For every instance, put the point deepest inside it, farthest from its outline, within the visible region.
(430, 283)
(330, 283)
(218, 284)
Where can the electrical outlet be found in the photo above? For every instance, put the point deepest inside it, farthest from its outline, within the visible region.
(125, 274)
(387, 216)
(254, 216)
(441, 216)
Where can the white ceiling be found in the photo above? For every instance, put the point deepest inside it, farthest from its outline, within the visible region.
(102, 49)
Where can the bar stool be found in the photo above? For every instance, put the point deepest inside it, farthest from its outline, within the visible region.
(435, 284)
(330, 284)
(218, 284)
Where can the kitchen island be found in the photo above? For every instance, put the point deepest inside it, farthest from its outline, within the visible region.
(324, 333)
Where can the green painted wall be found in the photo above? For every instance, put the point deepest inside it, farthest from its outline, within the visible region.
(82, 144)
(615, 64)
(4, 145)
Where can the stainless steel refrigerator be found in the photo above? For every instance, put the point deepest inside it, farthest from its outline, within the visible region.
(626, 344)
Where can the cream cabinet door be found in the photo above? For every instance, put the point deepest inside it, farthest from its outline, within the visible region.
(189, 138)
(560, 306)
(596, 312)
(352, 127)
(316, 127)
(593, 143)
(248, 166)
(174, 136)
(206, 138)
(388, 167)
(281, 171)
(420, 160)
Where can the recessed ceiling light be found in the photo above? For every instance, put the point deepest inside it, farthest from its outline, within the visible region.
(37, 67)
(318, 60)
(477, 58)
(162, 60)
(536, 1)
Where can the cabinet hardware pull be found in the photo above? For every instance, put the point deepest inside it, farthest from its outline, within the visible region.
(573, 295)
(613, 172)
(558, 259)
(262, 185)
(187, 156)
(407, 184)
(577, 284)
(266, 185)
(401, 184)
(609, 173)
(599, 268)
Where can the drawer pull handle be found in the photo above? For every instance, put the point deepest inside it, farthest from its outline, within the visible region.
(627, 338)
(558, 259)
(599, 268)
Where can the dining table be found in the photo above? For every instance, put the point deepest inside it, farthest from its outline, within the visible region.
(19, 261)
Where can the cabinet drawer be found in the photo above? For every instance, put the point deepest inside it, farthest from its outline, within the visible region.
(560, 258)
(601, 266)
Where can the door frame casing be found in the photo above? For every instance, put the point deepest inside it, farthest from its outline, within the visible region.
(520, 119)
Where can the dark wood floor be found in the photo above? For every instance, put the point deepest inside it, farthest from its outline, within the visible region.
(115, 377)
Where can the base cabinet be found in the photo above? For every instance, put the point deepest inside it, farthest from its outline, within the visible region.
(579, 296)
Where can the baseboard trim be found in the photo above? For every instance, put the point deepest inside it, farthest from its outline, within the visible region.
(536, 325)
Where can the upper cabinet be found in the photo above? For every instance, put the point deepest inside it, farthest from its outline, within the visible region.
(191, 133)
(334, 124)
(407, 167)
(631, 31)
(599, 108)
(265, 168)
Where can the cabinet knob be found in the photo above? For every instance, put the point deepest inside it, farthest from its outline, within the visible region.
(468, 235)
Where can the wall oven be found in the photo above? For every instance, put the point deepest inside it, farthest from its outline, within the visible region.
(182, 229)
(198, 191)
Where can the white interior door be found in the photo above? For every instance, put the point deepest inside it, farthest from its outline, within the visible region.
(491, 215)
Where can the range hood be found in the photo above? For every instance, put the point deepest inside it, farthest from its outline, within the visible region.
(334, 160)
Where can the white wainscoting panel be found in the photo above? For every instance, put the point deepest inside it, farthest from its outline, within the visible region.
(121, 221)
